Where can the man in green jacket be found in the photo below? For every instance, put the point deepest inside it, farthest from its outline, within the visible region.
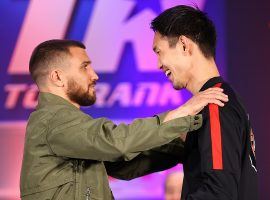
(65, 149)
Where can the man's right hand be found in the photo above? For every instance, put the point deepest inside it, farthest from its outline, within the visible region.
(194, 105)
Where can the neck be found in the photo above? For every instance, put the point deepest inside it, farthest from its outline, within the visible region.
(202, 70)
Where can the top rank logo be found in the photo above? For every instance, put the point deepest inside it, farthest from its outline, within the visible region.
(118, 40)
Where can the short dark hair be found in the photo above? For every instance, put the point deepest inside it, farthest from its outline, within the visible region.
(190, 22)
(48, 54)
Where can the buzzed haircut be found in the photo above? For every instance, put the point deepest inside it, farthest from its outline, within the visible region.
(49, 54)
(189, 22)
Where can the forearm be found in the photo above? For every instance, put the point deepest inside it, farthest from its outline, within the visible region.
(80, 136)
(144, 164)
(142, 135)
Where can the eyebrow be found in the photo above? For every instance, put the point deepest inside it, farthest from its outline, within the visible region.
(86, 62)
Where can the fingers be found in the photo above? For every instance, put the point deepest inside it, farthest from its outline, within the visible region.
(221, 97)
(202, 99)
(214, 89)
(214, 93)
(216, 101)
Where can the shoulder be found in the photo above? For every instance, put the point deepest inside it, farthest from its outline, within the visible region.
(235, 105)
(55, 114)
(233, 110)
(67, 114)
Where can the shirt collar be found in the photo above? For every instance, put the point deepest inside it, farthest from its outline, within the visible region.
(212, 82)
(45, 98)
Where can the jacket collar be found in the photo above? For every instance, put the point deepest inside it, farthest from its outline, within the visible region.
(212, 82)
(45, 98)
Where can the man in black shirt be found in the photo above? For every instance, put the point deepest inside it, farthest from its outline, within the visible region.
(219, 161)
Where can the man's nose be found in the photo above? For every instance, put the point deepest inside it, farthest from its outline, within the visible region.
(94, 76)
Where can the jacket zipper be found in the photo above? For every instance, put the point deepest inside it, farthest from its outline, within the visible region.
(76, 178)
(88, 193)
(88, 190)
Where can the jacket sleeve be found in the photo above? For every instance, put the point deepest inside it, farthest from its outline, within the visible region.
(76, 135)
(220, 152)
(154, 160)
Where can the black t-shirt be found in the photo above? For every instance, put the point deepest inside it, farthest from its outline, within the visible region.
(220, 159)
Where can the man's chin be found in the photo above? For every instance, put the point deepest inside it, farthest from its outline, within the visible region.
(90, 102)
(177, 87)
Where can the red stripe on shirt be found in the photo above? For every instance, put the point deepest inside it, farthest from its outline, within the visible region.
(216, 135)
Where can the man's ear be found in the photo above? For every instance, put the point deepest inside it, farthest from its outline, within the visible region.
(186, 44)
(56, 77)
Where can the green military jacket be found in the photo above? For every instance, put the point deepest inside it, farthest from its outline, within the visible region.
(65, 149)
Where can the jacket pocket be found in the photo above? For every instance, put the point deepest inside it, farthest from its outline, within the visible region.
(61, 192)
(65, 192)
